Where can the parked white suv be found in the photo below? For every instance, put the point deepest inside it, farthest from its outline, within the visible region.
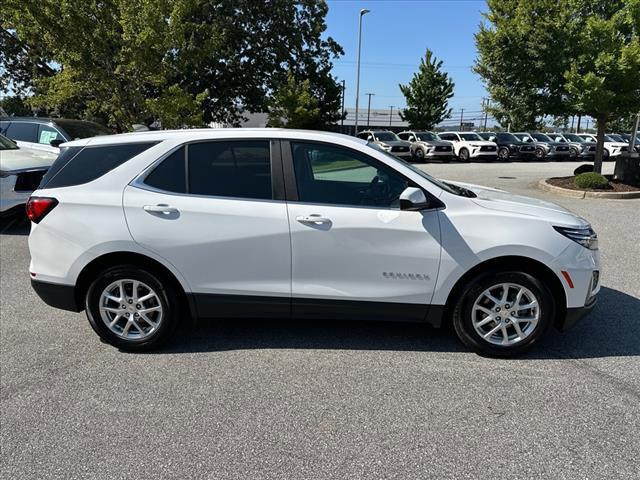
(426, 146)
(470, 145)
(142, 229)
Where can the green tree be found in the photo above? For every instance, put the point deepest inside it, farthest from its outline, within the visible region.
(15, 105)
(427, 94)
(563, 57)
(182, 62)
(294, 106)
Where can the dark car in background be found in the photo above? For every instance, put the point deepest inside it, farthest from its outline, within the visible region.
(509, 146)
(546, 148)
(48, 133)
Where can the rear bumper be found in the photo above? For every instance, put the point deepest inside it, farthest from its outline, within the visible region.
(574, 314)
(57, 295)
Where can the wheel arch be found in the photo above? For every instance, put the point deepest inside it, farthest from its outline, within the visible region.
(526, 264)
(100, 263)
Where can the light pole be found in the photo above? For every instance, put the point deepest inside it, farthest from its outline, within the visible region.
(342, 111)
(363, 12)
(390, 114)
(369, 107)
(461, 119)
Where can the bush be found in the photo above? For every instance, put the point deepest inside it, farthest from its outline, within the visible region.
(591, 180)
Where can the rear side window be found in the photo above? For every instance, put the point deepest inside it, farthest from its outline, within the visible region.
(90, 163)
(240, 169)
(22, 131)
(170, 175)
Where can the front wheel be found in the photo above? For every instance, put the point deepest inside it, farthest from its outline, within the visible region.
(419, 155)
(129, 308)
(464, 155)
(503, 154)
(540, 154)
(503, 313)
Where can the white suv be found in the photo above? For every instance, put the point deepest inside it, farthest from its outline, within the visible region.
(470, 145)
(612, 148)
(143, 229)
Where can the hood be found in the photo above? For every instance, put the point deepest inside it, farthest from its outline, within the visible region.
(22, 159)
(495, 199)
(436, 143)
(396, 143)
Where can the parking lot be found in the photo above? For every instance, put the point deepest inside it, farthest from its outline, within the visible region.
(280, 399)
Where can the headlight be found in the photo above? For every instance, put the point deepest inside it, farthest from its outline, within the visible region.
(585, 236)
(385, 146)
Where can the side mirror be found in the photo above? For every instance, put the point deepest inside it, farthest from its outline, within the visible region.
(413, 199)
(370, 138)
(56, 143)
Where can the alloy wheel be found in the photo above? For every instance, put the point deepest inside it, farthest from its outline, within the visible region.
(505, 314)
(130, 309)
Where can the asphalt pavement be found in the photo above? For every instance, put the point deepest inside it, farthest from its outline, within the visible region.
(319, 400)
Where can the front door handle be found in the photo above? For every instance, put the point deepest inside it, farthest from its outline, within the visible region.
(160, 208)
(314, 219)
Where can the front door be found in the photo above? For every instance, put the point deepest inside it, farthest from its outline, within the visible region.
(354, 252)
(209, 209)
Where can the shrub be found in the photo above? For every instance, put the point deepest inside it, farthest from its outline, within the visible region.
(591, 180)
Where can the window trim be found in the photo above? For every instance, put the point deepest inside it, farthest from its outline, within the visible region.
(291, 186)
(275, 158)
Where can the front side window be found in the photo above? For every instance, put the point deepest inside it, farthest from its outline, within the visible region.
(230, 169)
(334, 175)
(48, 134)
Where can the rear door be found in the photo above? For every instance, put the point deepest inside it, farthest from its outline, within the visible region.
(354, 252)
(215, 210)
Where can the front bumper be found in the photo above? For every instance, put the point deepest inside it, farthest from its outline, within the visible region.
(574, 314)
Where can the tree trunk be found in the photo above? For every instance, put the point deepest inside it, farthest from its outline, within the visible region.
(597, 162)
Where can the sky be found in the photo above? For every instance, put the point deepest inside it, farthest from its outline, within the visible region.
(395, 35)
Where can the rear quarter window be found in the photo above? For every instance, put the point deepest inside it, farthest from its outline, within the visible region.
(77, 165)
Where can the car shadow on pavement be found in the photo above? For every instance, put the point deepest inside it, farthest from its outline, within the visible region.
(612, 329)
(14, 225)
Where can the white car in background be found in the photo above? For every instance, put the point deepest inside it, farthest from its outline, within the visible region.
(612, 148)
(21, 170)
(143, 229)
(427, 146)
(470, 145)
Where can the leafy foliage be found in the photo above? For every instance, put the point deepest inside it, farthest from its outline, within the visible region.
(427, 94)
(591, 180)
(14, 105)
(183, 62)
(562, 57)
(294, 106)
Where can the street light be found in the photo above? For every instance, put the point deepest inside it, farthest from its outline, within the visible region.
(363, 12)
(369, 107)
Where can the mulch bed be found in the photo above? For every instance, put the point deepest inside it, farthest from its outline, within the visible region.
(614, 185)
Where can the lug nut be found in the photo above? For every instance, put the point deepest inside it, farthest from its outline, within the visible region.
(136, 315)
(130, 301)
(507, 306)
(513, 314)
(498, 318)
(138, 306)
(498, 309)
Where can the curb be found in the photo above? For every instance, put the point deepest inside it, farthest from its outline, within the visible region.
(566, 192)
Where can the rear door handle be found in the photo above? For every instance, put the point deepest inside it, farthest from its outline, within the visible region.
(160, 208)
(314, 218)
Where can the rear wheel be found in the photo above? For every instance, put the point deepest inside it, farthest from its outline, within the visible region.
(129, 308)
(503, 313)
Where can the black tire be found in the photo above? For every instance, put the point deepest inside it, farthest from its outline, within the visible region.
(464, 155)
(463, 311)
(573, 154)
(169, 303)
(503, 154)
(420, 155)
(540, 154)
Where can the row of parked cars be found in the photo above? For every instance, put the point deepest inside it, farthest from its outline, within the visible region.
(467, 146)
(28, 147)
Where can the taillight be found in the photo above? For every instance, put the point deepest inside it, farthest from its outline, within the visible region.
(39, 207)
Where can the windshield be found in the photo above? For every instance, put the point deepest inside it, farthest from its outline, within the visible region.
(525, 137)
(385, 136)
(616, 138)
(507, 137)
(454, 189)
(471, 136)
(572, 137)
(80, 129)
(541, 137)
(427, 136)
(6, 144)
